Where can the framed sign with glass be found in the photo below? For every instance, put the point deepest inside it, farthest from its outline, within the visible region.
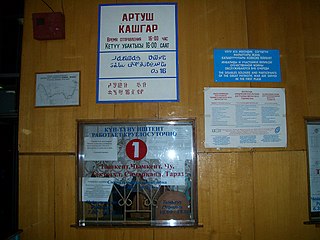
(137, 173)
(313, 154)
(57, 89)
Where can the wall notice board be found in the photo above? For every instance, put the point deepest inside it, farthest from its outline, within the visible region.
(313, 150)
(137, 173)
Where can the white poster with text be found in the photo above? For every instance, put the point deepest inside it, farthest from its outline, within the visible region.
(137, 53)
(245, 117)
(313, 133)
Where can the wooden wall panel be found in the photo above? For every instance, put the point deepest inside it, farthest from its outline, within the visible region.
(225, 186)
(313, 84)
(243, 194)
(113, 233)
(48, 130)
(65, 197)
(36, 197)
(280, 196)
(200, 31)
(53, 129)
(278, 25)
(137, 111)
(226, 196)
(310, 20)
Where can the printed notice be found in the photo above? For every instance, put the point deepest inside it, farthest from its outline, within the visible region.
(313, 130)
(137, 55)
(246, 65)
(100, 148)
(173, 144)
(96, 189)
(172, 150)
(245, 117)
(57, 89)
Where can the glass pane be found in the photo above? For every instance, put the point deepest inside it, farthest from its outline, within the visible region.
(137, 173)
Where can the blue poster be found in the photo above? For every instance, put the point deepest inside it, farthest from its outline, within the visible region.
(246, 65)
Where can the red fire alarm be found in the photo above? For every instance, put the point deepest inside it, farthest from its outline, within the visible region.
(48, 26)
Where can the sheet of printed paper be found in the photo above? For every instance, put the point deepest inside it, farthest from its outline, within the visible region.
(100, 148)
(172, 145)
(57, 89)
(96, 189)
(314, 165)
(245, 117)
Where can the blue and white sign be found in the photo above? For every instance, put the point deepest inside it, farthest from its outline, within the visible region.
(137, 53)
(246, 65)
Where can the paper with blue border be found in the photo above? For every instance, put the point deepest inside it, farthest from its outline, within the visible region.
(137, 53)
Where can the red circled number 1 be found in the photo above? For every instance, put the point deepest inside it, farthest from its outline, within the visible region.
(136, 149)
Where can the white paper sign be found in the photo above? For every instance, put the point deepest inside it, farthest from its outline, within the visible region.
(173, 142)
(314, 164)
(173, 149)
(96, 189)
(245, 117)
(137, 53)
(57, 89)
(100, 149)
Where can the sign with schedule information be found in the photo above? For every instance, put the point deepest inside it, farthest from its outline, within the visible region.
(137, 173)
(137, 53)
(245, 117)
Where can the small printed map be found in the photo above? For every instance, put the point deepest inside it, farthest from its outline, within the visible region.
(57, 89)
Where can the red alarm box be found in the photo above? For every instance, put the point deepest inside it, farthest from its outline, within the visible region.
(48, 26)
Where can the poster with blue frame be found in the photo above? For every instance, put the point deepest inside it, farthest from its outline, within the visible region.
(247, 65)
(137, 53)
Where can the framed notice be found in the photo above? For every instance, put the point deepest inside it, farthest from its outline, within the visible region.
(137, 53)
(313, 154)
(245, 117)
(137, 173)
(57, 89)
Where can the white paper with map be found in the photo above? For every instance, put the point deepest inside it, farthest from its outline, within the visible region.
(57, 89)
